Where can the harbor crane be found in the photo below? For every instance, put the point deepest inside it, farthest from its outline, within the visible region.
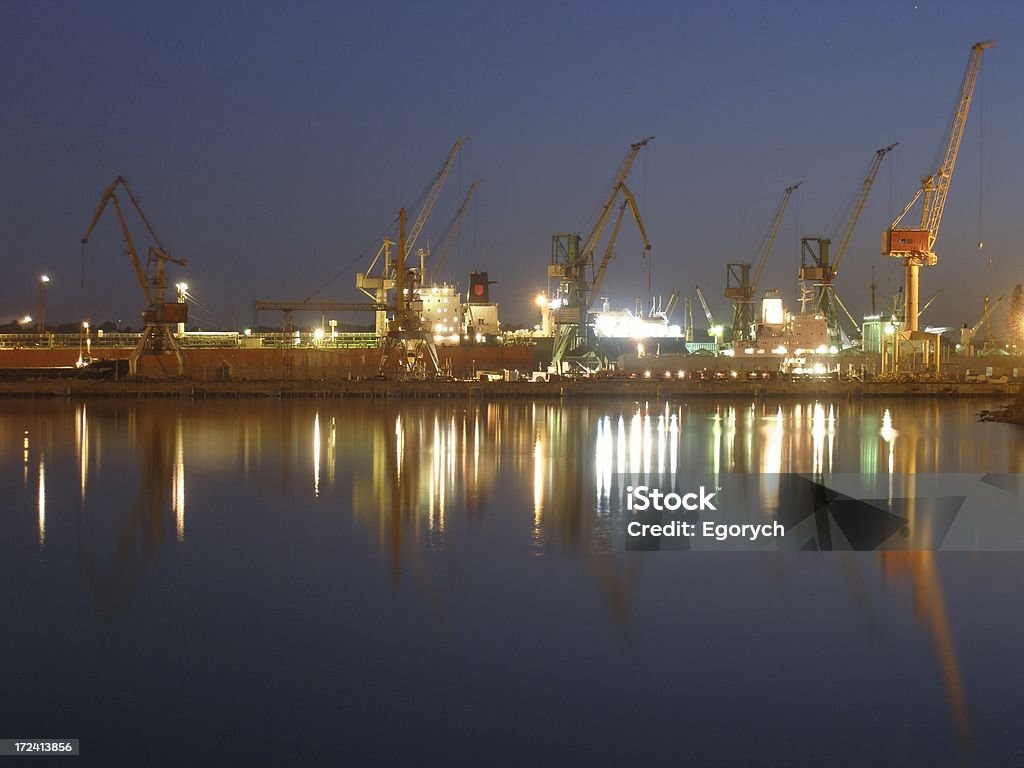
(740, 288)
(570, 262)
(377, 286)
(160, 317)
(818, 270)
(451, 232)
(916, 245)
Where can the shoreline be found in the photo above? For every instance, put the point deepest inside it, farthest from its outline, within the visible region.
(376, 388)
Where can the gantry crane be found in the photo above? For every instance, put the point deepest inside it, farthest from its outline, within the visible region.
(739, 288)
(916, 246)
(161, 316)
(818, 270)
(570, 262)
(440, 256)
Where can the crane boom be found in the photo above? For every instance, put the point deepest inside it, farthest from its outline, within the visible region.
(769, 241)
(609, 252)
(707, 310)
(587, 252)
(130, 247)
(989, 306)
(448, 238)
(431, 198)
(862, 198)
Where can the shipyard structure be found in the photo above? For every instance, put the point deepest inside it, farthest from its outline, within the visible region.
(414, 324)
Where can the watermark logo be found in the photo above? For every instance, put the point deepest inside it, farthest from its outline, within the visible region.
(643, 498)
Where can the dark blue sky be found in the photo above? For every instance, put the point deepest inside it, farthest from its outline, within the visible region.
(271, 143)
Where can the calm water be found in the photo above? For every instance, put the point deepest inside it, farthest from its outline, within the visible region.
(430, 582)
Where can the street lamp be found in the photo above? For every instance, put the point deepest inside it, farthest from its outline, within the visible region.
(43, 280)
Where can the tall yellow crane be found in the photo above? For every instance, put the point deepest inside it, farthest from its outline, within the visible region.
(160, 316)
(377, 286)
(916, 246)
(572, 257)
(818, 270)
(739, 287)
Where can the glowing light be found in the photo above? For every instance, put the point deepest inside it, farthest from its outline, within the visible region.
(316, 454)
(541, 300)
(772, 312)
(44, 278)
(178, 488)
(42, 501)
(82, 443)
(318, 334)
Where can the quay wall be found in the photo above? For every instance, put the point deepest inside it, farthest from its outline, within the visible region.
(303, 364)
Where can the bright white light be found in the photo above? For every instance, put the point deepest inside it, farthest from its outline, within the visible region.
(772, 312)
(44, 278)
(318, 334)
(26, 319)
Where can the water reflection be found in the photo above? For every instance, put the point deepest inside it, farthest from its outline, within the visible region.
(457, 477)
(178, 487)
(41, 504)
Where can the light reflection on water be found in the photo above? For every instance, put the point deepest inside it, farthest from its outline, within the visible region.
(428, 461)
(416, 478)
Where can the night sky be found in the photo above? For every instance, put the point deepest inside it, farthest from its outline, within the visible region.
(272, 143)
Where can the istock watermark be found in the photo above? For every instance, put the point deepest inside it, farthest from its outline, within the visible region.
(867, 511)
(642, 498)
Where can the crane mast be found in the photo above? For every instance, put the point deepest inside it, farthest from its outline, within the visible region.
(739, 287)
(916, 246)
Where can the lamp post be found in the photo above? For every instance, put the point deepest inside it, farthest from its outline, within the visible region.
(43, 280)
